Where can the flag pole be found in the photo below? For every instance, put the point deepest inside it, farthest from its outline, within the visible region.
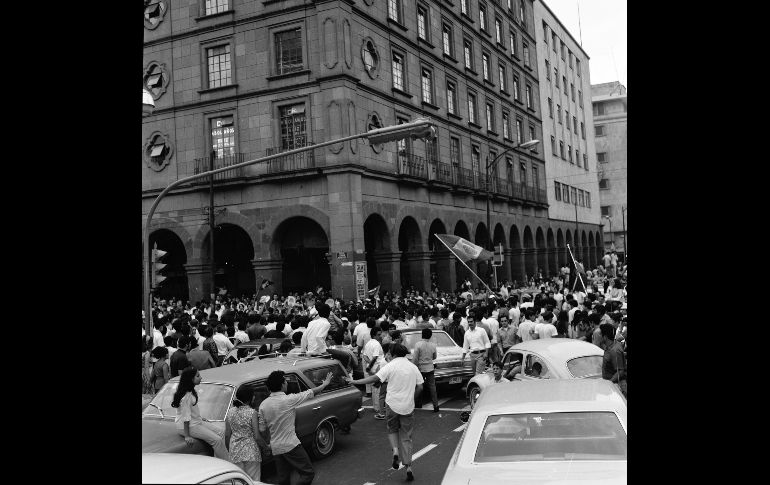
(463, 262)
(576, 270)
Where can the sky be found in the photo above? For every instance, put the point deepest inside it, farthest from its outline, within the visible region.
(604, 26)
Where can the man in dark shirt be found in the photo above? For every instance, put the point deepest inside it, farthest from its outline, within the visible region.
(278, 332)
(256, 330)
(614, 361)
(201, 359)
(179, 361)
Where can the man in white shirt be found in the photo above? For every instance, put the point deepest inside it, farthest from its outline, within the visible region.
(373, 358)
(476, 342)
(240, 334)
(494, 327)
(546, 329)
(527, 327)
(404, 382)
(514, 314)
(359, 326)
(527, 302)
(573, 307)
(410, 321)
(314, 339)
(157, 336)
(223, 343)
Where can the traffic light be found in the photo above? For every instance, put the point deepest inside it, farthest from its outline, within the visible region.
(157, 266)
(499, 258)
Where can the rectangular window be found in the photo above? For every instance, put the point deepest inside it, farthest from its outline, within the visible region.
(288, 51)
(446, 37)
(545, 32)
(501, 74)
(498, 31)
(528, 92)
(515, 87)
(464, 6)
(563, 51)
(588, 199)
(550, 107)
(547, 70)
(581, 198)
(557, 190)
(403, 146)
(216, 6)
(398, 71)
(556, 76)
(525, 53)
(535, 177)
(485, 65)
(468, 53)
(220, 72)
(394, 10)
(599, 131)
(605, 210)
(572, 90)
(519, 132)
(422, 16)
(482, 17)
(292, 119)
(558, 112)
(510, 4)
(574, 123)
(454, 151)
(604, 184)
(532, 134)
(490, 117)
(585, 162)
(475, 156)
(512, 40)
(565, 193)
(506, 126)
(564, 83)
(601, 157)
(522, 173)
(223, 136)
(577, 66)
(553, 146)
(427, 85)
(569, 154)
(431, 149)
(471, 107)
(573, 195)
(451, 97)
(553, 40)
(561, 150)
(569, 55)
(577, 159)
(599, 109)
(566, 117)
(580, 98)
(583, 130)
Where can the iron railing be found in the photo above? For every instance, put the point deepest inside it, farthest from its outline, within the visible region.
(289, 163)
(203, 165)
(412, 165)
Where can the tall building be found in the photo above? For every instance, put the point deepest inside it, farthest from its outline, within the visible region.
(570, 160)
(240, 80)
(610, 126)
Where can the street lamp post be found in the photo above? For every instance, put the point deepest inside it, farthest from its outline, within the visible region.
(419, 128)
(528, 145)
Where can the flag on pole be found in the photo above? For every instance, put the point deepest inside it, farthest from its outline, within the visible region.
(464, 249)
(374, 290)
(265, 283)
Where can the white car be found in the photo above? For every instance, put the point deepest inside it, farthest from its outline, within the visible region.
(558, 358)
(553, 431)
(181, 468)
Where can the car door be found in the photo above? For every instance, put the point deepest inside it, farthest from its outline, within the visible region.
(334, 400)
(305, 421)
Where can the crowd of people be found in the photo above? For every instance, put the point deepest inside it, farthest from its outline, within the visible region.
(365, 336)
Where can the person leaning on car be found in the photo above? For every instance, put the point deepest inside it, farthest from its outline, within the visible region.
(614, 360)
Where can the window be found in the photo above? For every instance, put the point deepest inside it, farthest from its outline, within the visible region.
(431, 149)
(403, 146)
(422, 16)
(535, 177)
(563, 50)
(599, 131)
(564, 83)
(525, 52)
(398, 71)
(574, 123)
(566, 117)
(528, 91)
(464, 6)
(490, 117)
(532, 133)
(556, 76)
(605, 210)
(510, 4)
(475, 156)
(581, 198)
(569, 154)
(485, 65)
(451, 97)
(519, 131)
(521, 12)
(550, 107)
(506, 125)
(468, 53)
(482, 17)
(583, 130)
(158, 152)
(371, 58)
(569, 55)
(547, 70)
(216, 6)
(220, 72)
(580, 98)
(318, 375)
(565, 193)
(601, 157)
(572, 90)
(501, 74)
(522, 173)
(288, 51)
(599, 109)
(427, 85)
(446, 37)
(553, 146)
(553, 40)
(558, 112)
(545, 32)
(604, 184)
(588, 199)
(394, 10)
(512, 40)
(561, 149)
(498, 31)
(471, 107)
(454, 151)
(223, 136)
(292, 119)
(557, 190)
(577, 156)
(577, 66)
(585, 162)
(515, 87)
(573, 195)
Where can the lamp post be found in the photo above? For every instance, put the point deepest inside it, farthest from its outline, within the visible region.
(526, 145)
(419, 128)
(623, 210)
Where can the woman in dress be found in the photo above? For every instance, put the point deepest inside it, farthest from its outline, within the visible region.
(209, 344)
(146, 364)
(242, 433)
(160, 369)
(188, 418)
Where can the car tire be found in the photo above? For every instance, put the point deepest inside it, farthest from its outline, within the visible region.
(473, 394)
(323, 440)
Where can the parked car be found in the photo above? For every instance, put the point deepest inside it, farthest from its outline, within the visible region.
(559, 358)
(555, 431)
(179, 468)
(248, 351)
(450, 368)
(336, 407)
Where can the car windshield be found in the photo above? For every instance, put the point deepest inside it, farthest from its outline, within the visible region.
(439, 338)
(213, 401)
(588, 366)
(552, 437)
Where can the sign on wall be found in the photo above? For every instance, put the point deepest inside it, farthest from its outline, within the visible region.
(361, 285)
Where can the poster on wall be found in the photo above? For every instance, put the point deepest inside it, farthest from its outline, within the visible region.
(361, 285)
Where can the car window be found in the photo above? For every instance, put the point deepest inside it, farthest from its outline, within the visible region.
(260, 391)
(317, 375)
(213, 401)
(294, 384)
(553, 437)
(439, 338)
(588, 366)
(536, 367)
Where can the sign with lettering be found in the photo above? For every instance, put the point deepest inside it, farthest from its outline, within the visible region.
(361, 284)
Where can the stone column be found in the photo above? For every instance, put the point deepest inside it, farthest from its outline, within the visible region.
(419, 269)
(517, 265)
(198, 280)
(346, 228)
(271, 269)
(388, 269)
(445, 268)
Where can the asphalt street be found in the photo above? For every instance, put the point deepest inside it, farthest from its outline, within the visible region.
(363, 457)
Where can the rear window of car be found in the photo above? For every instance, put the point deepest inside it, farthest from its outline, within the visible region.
(318, 375)
(439, 338)
(552, 437)
(213, 401)
(588, 366)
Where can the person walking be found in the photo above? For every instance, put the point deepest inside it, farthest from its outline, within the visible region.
(477, 343)
(373, 357)
(614, 360)
(404, 382)
(188, 419)
(276, 415)
(160, 371)
(242, 433)
(424, 354)
(179, 360)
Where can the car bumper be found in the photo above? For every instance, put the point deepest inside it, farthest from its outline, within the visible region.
(454, 374)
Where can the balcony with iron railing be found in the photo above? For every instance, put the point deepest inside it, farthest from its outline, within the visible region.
(290, 163)
(201, 165)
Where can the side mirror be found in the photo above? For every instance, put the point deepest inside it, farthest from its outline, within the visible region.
(465, 416)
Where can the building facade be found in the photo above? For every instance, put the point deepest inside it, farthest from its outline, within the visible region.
(570, 160)
(611, 129)
(240, 80)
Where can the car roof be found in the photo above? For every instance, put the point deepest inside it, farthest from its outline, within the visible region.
(551, 395)
(559, 349)
(182, 468)
(237, 374)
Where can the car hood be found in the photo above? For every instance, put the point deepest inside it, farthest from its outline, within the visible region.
(539, 473)
(444, 354)
(161, 436)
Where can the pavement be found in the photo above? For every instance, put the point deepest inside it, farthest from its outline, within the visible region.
(364, 457)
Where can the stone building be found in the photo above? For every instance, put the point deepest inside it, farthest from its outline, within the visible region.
(245, 79)
(611, 128)
(570, 160)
